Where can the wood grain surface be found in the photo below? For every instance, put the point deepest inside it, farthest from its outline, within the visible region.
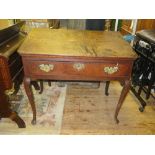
(76, 43)
(89, 111)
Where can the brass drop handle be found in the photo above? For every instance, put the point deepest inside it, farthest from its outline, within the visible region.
(79, 66)
(10, 91)
(111, 70)
(46, 67)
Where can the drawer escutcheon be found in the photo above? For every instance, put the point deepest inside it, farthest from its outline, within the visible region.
(46, 67)
(111, 70)
(79, 66)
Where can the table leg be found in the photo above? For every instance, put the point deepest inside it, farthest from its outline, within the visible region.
(35, 84)
(14, 117)
(107, 88)
(6, 111)
(124, 92)
(49, 82)
(27, 85)
(41, 87)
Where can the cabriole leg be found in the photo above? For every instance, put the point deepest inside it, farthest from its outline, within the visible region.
(27, 85)
(124, 92)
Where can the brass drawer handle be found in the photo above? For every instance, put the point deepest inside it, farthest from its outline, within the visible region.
(10, 91)
(111, 70)
(79, 66)
(46, 67)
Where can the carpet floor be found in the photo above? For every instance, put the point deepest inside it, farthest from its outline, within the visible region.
(49, 107)
(80, 110)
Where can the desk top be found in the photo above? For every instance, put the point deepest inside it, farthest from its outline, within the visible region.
(64, 42)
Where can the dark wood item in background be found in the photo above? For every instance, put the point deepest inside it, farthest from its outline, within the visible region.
(5, 110)
(75, 55)
(145, 24)
(141, 24)
(11, 69)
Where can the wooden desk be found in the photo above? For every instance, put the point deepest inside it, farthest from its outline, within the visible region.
(76, 55)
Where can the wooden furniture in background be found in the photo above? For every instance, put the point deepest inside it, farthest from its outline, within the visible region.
(5, 110)
(11, 69)
(75, 55)
(41, 23)
(4, 23)
(126, 27)
(10, 61)
(145, 24)
(141, 24)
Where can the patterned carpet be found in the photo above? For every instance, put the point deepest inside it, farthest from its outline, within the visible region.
(49, 107)
(87, 110)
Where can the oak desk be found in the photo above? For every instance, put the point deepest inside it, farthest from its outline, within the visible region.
(76, 55)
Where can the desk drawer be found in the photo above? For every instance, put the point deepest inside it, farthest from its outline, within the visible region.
(77, 70)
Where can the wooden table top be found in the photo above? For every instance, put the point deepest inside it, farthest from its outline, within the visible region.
(64, 42)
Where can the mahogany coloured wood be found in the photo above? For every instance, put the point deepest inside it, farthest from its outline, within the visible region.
(75, 55)
(5, 111)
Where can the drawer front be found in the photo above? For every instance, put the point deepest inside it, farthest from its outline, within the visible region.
(77, 70)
